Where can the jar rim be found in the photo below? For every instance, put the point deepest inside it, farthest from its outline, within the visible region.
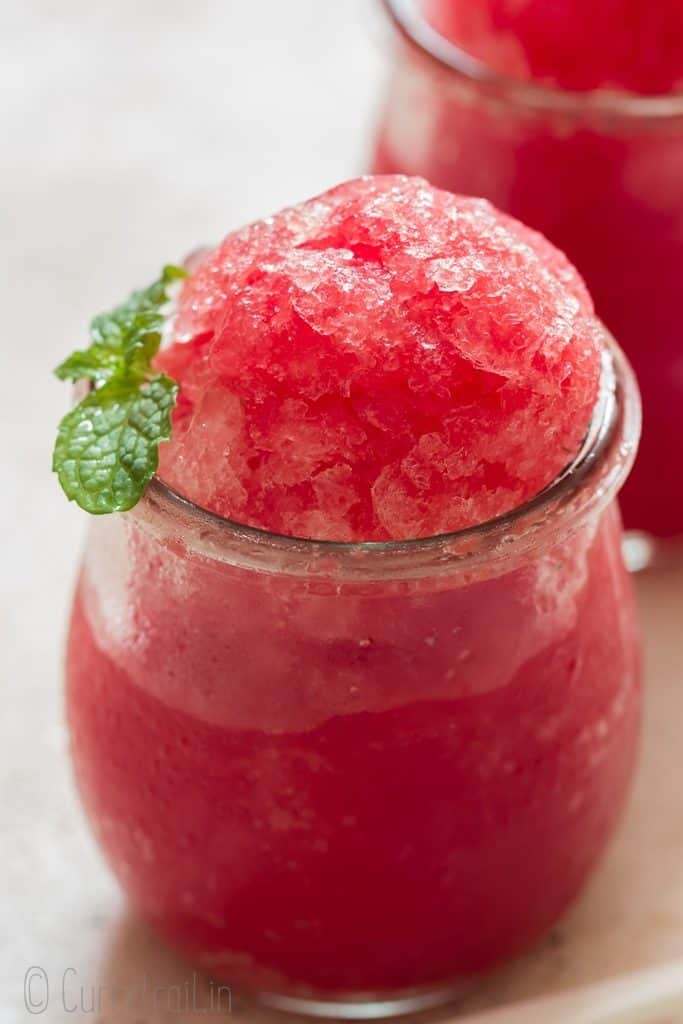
(408, 17)
(589, 482)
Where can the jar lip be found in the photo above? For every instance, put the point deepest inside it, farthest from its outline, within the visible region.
(604, 461)
(409, 19)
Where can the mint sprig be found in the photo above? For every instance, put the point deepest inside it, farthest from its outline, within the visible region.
(107, 447)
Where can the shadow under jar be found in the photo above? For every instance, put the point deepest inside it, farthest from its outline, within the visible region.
(348, 777)
(600, 174)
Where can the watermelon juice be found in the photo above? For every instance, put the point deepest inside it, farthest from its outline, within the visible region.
(321, 785)
(570, 117)
(370, 761)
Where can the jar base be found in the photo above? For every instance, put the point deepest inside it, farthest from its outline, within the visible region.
(363, 1006)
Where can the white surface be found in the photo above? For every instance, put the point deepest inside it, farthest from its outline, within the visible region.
(646, 997)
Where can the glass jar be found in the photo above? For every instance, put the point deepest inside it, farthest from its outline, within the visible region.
(348, 777)
(599, 173)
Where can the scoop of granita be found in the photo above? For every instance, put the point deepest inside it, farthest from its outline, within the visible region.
(633, 45)
(384, 361)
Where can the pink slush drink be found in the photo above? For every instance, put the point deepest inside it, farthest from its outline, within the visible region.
(568, 115)
(327, 768)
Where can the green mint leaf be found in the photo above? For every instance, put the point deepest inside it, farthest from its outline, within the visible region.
(96, 363)
(107, 446)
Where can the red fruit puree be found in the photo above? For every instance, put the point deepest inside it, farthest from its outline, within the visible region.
(598, 172)
(633, 45)
(386, 361)
(322, 769)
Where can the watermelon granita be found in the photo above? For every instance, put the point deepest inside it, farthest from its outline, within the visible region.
(385, 361)
(633, 45)
(572, 122)
(349, 772)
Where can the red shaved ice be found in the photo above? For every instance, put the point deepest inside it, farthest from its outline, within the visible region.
(384, 361)
(631, 45)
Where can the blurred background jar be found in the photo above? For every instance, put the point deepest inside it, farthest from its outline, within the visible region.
(600, 172)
